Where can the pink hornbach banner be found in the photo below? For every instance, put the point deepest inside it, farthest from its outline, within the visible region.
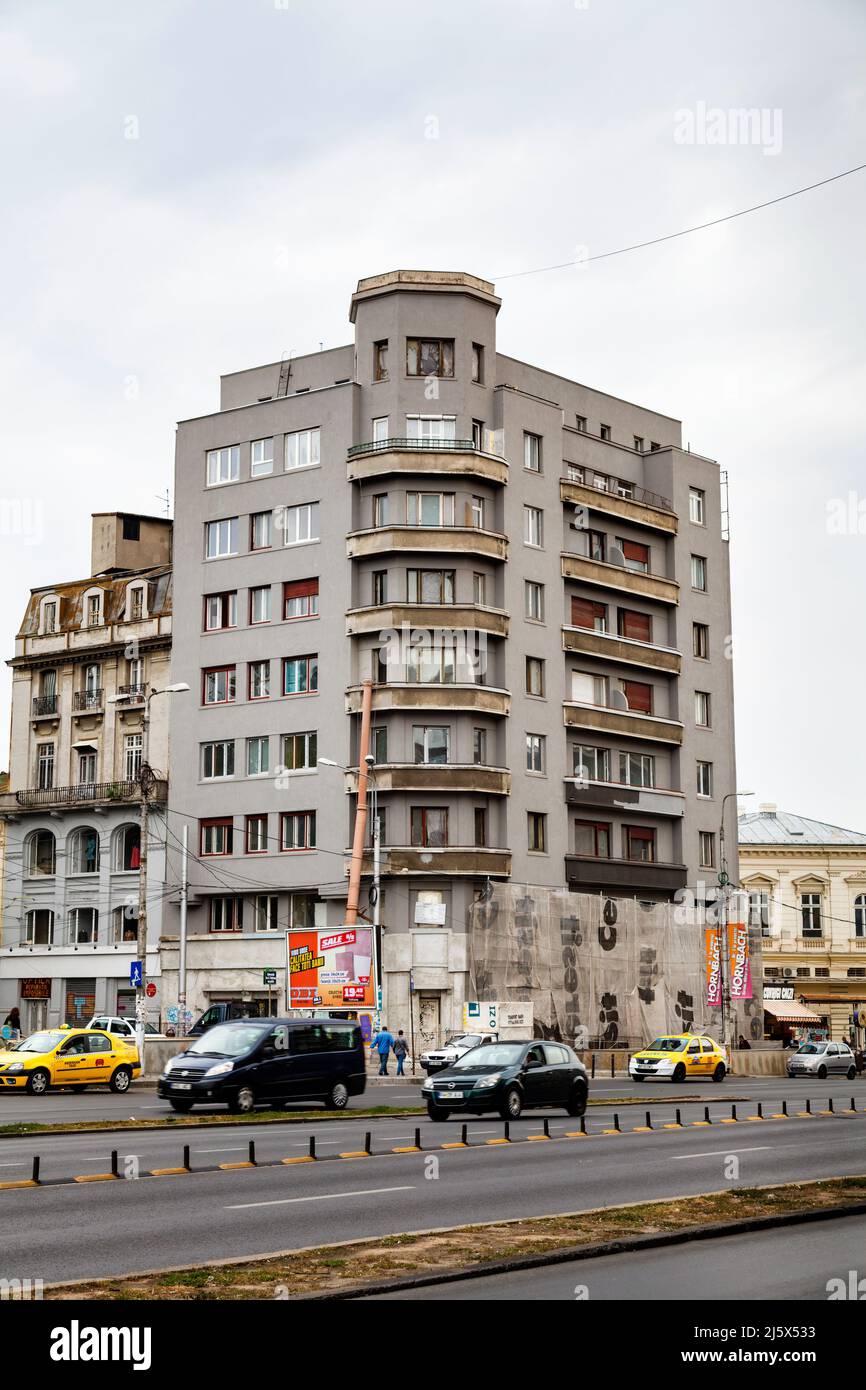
(738, 959)
(713, 939)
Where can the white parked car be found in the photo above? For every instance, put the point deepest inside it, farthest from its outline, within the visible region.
(455, 1047)
(125, 1027)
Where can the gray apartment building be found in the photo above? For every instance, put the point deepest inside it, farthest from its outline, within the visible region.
(86, 654)
(534, 576)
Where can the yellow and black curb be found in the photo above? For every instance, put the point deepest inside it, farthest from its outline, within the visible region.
(185, 1169)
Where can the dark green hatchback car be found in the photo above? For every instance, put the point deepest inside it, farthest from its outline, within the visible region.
(509, 1077)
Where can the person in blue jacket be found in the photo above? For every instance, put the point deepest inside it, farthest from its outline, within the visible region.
(382, 1043)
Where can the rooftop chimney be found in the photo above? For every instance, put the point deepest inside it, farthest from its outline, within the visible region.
(767, 808)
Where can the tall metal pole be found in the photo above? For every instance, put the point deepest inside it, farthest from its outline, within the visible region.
(144, 788)
(181, 972)
(377, 979)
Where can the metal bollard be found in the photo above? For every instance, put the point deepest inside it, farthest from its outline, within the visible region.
(830, 1106)
(808, 1107)
(583, 1124)
(417, 1138)
(760, 1110)
(733, 1112)
(547, 1129)
(616, 1121)
(592, 1070)
(649, 1120)
(114, 1163)
(186, 1157)
(613, 1065)
(464, 1130)
(784, 1107)
(368, 1141)
(34, 1177)
(707, 1119)
(853, 1106)
(679, 1119)
(312, 1146)
(252, 1152)
(507, 1135)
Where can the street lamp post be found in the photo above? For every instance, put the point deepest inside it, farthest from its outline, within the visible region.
(146, 782)
(724, 883)
(375, 893)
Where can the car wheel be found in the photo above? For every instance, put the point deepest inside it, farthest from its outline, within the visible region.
(338, 1096)
(38, 1082)
(577, 1100)
(120, 1080)
(720, 1072)
(182, 1107)
(243, 1102)
(436, 1113)
(679, 1072)
(851, 1073)
(822, 1072)
(638, 1077)
(512, 1104)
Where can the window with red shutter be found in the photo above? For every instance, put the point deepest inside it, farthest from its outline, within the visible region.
(639, 696)
(638, 626)
(585, 613)
(301, 598)
(636, 555)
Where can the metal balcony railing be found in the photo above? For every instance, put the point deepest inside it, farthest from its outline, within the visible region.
(615, 487)
(132, 692)
(378, 446)
(87, 699)
(44, 704)
(83, 792)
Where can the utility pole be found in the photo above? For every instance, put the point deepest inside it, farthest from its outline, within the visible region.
(181, 973)
(377, 860)
(724, 884)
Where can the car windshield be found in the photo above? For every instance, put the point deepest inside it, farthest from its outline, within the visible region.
(491, 1055)
(227, 1040)
(812, 1048)
(667, 1045)
(41, 1042)
(464, 1040)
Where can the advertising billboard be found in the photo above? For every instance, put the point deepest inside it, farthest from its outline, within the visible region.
(331, 969)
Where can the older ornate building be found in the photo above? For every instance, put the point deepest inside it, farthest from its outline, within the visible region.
(807, 890)
(85, 657)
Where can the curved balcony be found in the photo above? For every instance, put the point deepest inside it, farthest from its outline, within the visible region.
(454, 457)
(600, 719)
(412, 696)
(458, 860)
(616, 577)
(622, 796)
(461, 540)
(643, 509)
(427, 615)
(621, 649)
(438, 777)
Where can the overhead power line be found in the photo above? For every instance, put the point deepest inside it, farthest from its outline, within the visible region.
(685, 231)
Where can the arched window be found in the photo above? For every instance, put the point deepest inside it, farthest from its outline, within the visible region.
(136, 603)
(126, 849)
(40, 854)
(49, 615)
(82, 850)
(125, 922)
(860, 915)
(91, 608)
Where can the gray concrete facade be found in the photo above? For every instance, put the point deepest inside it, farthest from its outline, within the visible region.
(610, 492)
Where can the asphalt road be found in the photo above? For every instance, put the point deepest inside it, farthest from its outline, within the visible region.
(794, 1263)
(64, 1107)
(96, 1229)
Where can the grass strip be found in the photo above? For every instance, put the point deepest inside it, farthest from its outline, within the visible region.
(358, 1264)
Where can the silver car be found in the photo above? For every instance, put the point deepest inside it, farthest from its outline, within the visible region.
(821, 1058)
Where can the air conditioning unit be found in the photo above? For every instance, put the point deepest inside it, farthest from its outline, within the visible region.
(787, 972)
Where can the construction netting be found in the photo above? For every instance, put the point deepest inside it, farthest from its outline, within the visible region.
(600, 972)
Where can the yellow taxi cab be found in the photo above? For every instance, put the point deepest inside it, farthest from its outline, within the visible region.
(67, 1056)
(676, 1056)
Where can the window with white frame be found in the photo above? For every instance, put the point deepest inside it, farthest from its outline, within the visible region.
(380, 429)
(699, 573)
(479, 513)
(705, 779)
(261, 457)
(83, 926)
(702, 709)
(297, 830)
(221, 538)
(220, 611)
(260, 604)
(218, 759)
(431, 743)
(300, 524)
(218, 685)
(707, 848)
(258, 755)
(93, 609)
(260, 680)
(431, 427)
(299, 751)
(87, 759)
(265, 912)
(223, 465)
(49, 616)
(260, 530)
(82, 851)
(256, 834)
(430, 508)
(429, 356)
(696, 505)
(533, 526)
(303, 449)
(45, 766)
(637, 769)
(591, 764)
(533, 595)
(135, 605)
(532, 452)
(216, 836)
(132, 748)
(759, 911)
(536, 751)
(810, 908)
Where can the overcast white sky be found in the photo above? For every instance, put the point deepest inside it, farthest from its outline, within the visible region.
(283, 152)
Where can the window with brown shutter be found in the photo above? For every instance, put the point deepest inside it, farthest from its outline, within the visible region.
(301, 598)
(640, 843)
(636, 555)
(585, 613)
(639, 696)
(638, 626)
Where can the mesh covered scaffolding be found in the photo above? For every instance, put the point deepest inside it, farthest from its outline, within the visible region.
(599, 972)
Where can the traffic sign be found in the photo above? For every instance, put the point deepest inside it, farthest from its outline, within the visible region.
(269, 977)
(136, 973)
(150, 990)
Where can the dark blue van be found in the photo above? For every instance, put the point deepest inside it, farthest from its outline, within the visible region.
(268, 1061)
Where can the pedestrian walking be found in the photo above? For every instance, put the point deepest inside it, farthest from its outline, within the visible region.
(401, 1050)
(382, 1043)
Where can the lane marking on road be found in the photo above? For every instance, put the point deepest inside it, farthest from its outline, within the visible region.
(322, 1197)
(724, 1153)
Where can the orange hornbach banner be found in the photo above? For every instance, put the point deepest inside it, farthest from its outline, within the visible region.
(713, 946)
(738, 961)
(331, 969)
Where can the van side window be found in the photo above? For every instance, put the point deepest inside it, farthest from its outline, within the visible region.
(310, 1038)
